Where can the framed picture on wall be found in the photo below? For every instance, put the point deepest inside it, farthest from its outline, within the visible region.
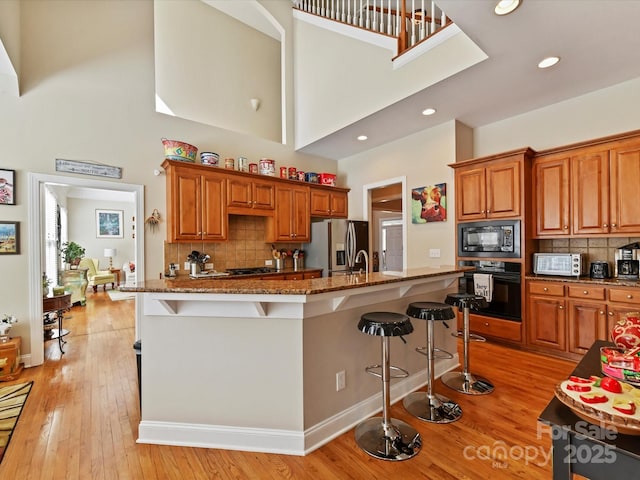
(7, 187)
(9, 238)
(109, 224)
(429, 204)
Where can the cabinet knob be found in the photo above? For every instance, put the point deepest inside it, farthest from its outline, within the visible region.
(586, 292)
(565, 227)
(601, 312)
(486, 324)
(629, 296)
(482, 211)
(561, 307)
(611, 314)
(545, 289)
(605, 225)
(614, 225)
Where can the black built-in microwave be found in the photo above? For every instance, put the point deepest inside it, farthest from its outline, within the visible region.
(496, 238)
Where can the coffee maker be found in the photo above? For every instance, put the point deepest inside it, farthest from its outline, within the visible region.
(627, 263)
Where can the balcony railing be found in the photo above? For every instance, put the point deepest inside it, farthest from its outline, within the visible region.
(411, 22)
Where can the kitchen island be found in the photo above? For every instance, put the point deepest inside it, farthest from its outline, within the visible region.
(251, 364)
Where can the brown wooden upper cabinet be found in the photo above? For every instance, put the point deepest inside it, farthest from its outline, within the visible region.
(328, 204)
(291, 222)
(489, 189)
(588, 191)
(196, 205)
(250, 196)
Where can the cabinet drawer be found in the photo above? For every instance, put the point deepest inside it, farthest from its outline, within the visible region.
(625, 295)
(586, 291)
(494, 327)
(546, 288)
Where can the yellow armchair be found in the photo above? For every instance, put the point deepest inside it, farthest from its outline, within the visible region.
(95, 276)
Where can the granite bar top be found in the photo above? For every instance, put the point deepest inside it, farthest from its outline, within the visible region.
(611, 282)
(238, 285)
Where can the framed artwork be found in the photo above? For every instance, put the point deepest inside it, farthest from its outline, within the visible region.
(7, 187)
(109, 224)
(9, 238)
(429, 204)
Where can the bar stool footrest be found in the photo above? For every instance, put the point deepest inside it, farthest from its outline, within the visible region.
(473, 337)
(371, 369)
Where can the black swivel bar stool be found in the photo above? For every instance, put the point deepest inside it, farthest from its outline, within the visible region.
(387, 438)
(465, 381)
(431, 406)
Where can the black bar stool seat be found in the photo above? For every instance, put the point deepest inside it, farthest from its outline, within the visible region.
(465, 381)
(431, 406)
(387, 438)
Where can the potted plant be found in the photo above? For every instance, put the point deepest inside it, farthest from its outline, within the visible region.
(72, 253)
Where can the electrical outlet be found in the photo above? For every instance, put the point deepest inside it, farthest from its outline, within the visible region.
(186, 266)
(434, 253)
(341, 380)
(268, 263)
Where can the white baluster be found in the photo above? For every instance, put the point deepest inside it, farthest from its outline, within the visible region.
(397, 18)
(322, 9)
(382, 16)
(413, 23)
(368, 19)
(433, 17)
(374, 23)
(443, 19)
(389, 32)
(422, 34)
(360, 13)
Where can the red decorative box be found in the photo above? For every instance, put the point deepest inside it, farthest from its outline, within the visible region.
(327, 179)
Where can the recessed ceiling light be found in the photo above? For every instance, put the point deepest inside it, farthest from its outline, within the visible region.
(505, 7)
(428, 111)
(362, 138)
(548, 62)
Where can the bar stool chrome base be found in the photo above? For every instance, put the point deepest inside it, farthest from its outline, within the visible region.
(467, 383)
(435, 408)
(398, 441)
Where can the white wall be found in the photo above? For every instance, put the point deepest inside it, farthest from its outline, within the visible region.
(423, 158)
(82, 230)
(209, 70)
(605, 112)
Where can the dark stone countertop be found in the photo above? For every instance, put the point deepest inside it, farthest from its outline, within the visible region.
(607, 282)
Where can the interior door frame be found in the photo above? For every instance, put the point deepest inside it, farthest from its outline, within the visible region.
(367, 215)
(36, 208)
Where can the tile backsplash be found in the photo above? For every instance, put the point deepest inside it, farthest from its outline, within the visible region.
(246, 247)
(594, 249)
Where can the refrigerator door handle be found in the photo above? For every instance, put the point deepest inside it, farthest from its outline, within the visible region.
(350, 241)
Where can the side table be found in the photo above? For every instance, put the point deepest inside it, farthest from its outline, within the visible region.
(116, 273)
(55, 305)
(10, 366)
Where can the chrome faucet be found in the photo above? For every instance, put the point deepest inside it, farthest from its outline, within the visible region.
(366, 260)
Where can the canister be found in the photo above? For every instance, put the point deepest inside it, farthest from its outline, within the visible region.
(283, 172)
(292, 173)
(267, 167)
(243, 164)
(209, 158)
(301, 175)
(253, 168)
(229, 163)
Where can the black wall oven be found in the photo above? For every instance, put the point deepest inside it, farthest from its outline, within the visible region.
(496, 239)
(506, 300)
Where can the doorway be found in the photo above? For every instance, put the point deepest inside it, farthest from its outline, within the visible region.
(37, 214)
(385, 209)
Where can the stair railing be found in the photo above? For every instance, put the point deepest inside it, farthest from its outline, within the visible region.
(386, 17)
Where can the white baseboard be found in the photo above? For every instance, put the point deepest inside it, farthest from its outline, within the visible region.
(287, 442)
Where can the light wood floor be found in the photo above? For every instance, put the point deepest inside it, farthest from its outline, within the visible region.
(81, 418)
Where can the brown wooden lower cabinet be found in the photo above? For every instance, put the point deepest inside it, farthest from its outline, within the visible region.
(495, 328)
(565, 318)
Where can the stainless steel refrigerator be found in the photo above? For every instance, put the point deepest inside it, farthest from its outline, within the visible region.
(334, 245)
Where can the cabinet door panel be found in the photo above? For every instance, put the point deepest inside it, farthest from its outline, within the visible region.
(590, 192)
(263, 196)
(300, 214)
(625, 190)
(187, 207)
(239, 192)
(547, 323)
(214, 210)
(587, 323)
(470, 194)
(339, 205)
(320, 203)
(551, 196)
(503, 190)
